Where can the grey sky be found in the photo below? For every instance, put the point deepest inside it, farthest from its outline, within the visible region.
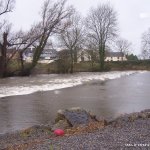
(133, 16)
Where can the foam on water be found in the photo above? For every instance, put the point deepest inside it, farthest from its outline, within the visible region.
(50, 82)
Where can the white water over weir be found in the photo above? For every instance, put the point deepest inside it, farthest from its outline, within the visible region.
(27, 85)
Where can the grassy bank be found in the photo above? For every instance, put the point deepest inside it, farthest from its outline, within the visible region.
(56, 67)
(88, 67)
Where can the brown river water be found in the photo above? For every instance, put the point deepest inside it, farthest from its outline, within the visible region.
(35, 100)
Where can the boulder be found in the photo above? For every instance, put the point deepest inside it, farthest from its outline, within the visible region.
(75, 116)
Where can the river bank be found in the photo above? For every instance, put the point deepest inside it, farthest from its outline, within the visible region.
(129, 131)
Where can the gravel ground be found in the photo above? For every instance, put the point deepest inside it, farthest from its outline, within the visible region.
(133, 129)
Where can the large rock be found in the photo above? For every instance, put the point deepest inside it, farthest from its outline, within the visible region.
(75, 116)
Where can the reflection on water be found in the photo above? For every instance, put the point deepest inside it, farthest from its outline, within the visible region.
(108, 98)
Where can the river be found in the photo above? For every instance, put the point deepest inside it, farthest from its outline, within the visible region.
(27, 101)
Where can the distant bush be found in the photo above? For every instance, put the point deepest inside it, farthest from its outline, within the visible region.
(130, 65)
(132, 57)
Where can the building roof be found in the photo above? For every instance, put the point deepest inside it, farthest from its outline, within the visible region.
(49, 51)
(114, 54)
(30, 51)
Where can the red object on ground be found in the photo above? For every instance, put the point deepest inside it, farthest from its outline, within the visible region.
(59, 132)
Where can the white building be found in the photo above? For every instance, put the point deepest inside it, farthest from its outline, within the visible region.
(47, 55)
(115, 56)
(84, 55)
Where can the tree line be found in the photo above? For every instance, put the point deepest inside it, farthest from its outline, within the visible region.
(96, 32)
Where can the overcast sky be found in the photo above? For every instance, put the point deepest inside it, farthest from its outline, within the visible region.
(133, 16)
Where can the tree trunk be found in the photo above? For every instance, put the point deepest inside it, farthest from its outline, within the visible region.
(3, 59)
(23, 71)
(102, 57)
(72, 61)
(75, 55)
(1, 65)
(92, 60)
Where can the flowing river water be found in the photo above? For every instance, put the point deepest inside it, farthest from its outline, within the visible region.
(27, 101)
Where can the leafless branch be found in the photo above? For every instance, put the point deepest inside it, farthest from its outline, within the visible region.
(6, 6)
(123, 45)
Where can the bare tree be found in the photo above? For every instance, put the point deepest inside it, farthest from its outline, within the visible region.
(72, 37)
(123, 46)
(5, 7)
(102, 27)
(146, 45)
(53, 18)
(22, 41)
(12, 44)
(9, 43)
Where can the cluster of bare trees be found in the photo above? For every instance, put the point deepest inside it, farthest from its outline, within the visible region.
(54, 17)
(93, 33)
(73, 32)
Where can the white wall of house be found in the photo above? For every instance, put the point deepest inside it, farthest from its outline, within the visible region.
(83, 56)
(45, 61)
(116, 59)
(47, 56)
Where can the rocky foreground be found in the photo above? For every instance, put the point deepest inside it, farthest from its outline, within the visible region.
(127, 132)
